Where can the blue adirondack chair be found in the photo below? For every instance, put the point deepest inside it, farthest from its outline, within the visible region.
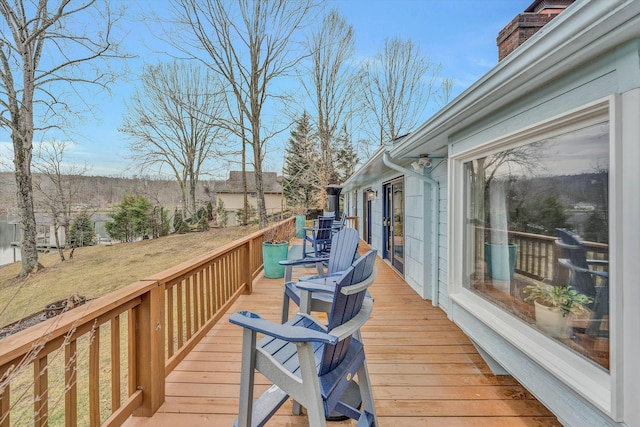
(319, 237)
(344, 247)
(339, 223)
(584, 278)
(329, 214)
(312, 363)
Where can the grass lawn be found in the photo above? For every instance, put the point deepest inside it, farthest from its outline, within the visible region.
(97, 270)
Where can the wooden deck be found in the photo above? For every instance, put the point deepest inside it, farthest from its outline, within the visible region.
(424, 370)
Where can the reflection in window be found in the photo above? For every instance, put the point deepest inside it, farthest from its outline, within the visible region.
(537, 234)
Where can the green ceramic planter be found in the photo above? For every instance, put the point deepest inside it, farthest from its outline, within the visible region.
(272, 253)
(501, 260)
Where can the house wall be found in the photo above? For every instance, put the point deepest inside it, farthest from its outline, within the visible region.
(591, 57)
(617, 72)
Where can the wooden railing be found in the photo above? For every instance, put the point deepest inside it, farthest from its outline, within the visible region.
(104, 361)
(537, 256)
(351, 222)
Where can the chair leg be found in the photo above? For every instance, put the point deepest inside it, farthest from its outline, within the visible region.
(365, 391)
(247, 375)
(312, 400)
(365, 386)
(285, 305)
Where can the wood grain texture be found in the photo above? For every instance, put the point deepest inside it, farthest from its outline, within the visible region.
(424, 370)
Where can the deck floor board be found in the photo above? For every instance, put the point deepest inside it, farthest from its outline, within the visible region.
(424, 370)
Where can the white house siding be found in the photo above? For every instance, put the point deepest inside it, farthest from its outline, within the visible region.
(414, 230)
(588, 54)
(443, 237)
(616, 72)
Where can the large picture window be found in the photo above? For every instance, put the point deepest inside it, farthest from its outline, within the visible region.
(536, 240)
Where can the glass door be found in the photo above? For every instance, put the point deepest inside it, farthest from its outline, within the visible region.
(367, 199)
(393, 223)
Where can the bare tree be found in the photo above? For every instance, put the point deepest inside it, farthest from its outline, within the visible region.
(330, 87)
(249, 44)
(59, 185)
(173, 120)
(397, 85)
(43, 51)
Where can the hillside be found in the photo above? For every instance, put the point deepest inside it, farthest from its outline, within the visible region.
(100, 193)
(97, 270)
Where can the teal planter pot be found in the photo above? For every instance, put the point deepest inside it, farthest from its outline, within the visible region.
(501, 260)
(300, 224)
(272, 254)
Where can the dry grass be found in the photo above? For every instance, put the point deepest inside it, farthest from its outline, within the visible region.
(97, 270)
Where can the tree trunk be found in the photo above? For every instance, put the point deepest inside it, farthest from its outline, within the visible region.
(24, 186)
(56, 227)
(257, 155)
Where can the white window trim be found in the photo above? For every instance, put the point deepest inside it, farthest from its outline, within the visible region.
(601, 388)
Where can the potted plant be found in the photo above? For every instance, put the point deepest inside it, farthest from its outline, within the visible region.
(553, 304)
(275, 248)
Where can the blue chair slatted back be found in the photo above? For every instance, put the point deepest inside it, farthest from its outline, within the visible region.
(344, 308)
(575, 252)
(344, 245)
(324, 228)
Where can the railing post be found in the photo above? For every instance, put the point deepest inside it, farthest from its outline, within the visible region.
(247, 271)
(150, 369)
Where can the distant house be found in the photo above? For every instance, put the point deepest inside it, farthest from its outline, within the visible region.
(548, 133)
(231, 192)
(45, 229)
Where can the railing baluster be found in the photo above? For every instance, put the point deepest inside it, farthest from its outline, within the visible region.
(115, 362)
(5, 398)
(179, 315)
(132, 354)
(70, 384)
(94, 378)
(201, 289)
(209, 287)
(40, 391)
(189, 301)
(170, 321)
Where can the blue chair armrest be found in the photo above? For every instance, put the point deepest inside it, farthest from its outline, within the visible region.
(316, 287)
(333, 277)
(597, 262)
(301, 261)
(286, 332)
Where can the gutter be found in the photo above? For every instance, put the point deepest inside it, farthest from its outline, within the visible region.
(435, 207)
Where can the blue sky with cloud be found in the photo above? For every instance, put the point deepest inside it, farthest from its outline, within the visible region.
(460, 35)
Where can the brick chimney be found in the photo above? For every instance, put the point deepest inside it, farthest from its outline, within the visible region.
(526, 24)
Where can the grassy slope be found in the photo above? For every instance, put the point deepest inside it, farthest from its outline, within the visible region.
(97, 270)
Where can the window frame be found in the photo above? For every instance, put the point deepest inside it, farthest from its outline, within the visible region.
(594, 383)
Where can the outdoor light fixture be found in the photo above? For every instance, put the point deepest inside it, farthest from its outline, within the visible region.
(421, 163)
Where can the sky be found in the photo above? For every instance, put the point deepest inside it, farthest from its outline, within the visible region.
(460, 35)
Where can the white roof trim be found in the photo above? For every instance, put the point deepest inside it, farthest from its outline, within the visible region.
(598, 25)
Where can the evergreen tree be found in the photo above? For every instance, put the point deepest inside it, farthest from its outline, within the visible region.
(131, 220)
(180, 226)
(203, 220)
(221, 214)
(300, 183)
(209, 211)
(251, 216)
(82, 232)
(160, 222)
(347, 159)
